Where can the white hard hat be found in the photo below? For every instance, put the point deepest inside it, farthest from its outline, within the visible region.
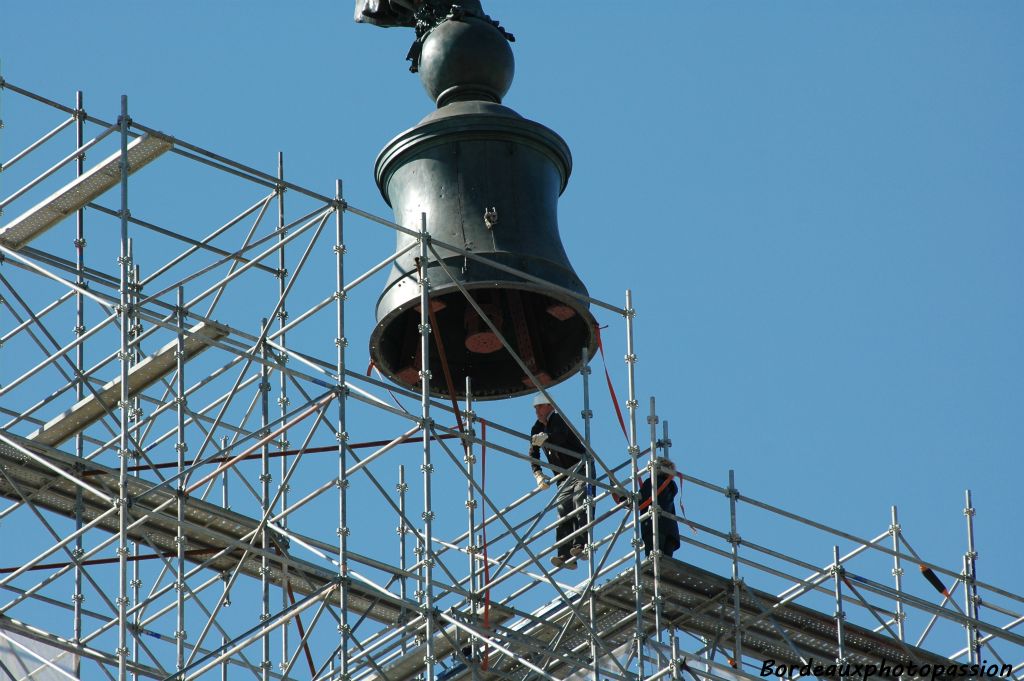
(540, 399)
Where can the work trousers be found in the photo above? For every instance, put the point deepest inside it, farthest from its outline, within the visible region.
(569, 497)
(668, 536)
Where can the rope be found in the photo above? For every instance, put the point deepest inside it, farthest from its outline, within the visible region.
(370, 368)
(611, 388)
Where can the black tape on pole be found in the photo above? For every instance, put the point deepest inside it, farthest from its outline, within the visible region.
(934, 580)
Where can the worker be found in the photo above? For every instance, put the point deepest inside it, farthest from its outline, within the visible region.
(551, 429)
(666, 490)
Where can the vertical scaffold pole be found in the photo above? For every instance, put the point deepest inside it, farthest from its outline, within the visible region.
(123, 443)
(227, 596)
(402, 487)
(472, 550)
(136, 584)
(224, 498)
(282, 396)
(666, 444)
(674, 647)
(265, 479)
(970, 581)
(180, 448)
(134, 418)
(341, 342)
(588, 415)
(734, 542)
(79, 243)
(634, 452)
(655, 511)
(427, 467)
(837, 575)
(897, 573)
(224, 664)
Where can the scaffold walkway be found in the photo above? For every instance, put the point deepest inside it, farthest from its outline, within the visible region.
(700, 602)
(218, 539)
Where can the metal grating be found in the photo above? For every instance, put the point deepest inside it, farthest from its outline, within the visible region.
(700, 602)
(144, 374)
(76, 194)
(207, 528)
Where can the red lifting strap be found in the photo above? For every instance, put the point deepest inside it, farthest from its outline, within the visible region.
(611, 388)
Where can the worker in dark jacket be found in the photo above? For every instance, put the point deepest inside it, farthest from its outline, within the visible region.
(551, 429)
(666, 490)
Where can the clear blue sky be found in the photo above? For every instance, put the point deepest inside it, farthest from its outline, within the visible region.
(818, 206)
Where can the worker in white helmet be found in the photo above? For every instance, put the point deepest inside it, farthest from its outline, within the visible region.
(551, 431)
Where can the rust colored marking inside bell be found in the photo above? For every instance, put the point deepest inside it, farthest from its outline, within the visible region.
(543, 377)
(483, 342)
(435, 305)
(409, 375)
(561, 312)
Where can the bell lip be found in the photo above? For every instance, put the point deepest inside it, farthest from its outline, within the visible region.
(435, 130)
(580, 306)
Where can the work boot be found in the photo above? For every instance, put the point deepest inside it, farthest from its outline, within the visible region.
(579, 551)
(567, 563)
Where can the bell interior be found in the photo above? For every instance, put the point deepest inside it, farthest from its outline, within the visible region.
(547, 333)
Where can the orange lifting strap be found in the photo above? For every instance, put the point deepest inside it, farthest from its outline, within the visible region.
(661, 488)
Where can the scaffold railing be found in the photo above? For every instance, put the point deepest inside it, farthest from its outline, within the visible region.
(200, 485)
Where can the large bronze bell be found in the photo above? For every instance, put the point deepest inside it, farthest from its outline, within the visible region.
(488, 181)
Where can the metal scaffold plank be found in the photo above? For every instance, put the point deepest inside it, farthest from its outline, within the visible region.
(208, 529)
(88, 410)
(686, 587)
(410, 665)
(767, 620)
(698, 601)
(79, 192)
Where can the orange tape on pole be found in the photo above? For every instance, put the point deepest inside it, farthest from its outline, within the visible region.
(934, 580)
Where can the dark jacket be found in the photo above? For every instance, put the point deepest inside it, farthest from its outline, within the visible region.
(559, 435)
(668, 528)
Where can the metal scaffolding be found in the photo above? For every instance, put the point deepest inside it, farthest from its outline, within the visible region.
(171, 401)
